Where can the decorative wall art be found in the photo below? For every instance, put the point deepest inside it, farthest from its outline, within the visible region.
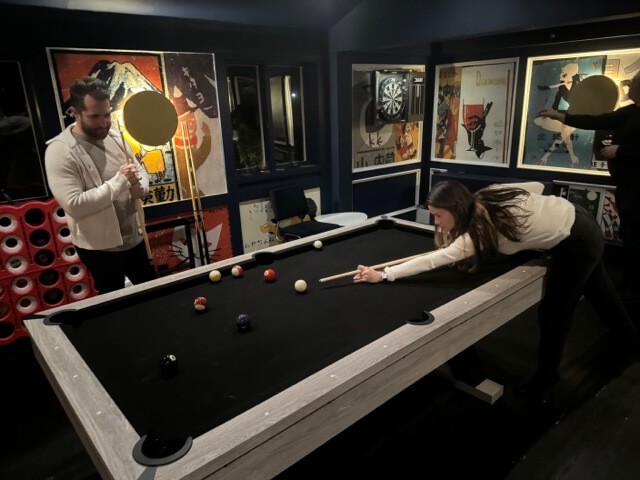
(473, 112)
(599, 201)
(188, 81)
(558, 82)
(383, 138)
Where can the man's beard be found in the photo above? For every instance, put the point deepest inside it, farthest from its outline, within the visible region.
(98, 133)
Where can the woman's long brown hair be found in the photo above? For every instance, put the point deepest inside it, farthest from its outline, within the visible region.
(482, 215)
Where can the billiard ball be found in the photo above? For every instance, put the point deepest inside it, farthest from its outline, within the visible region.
(237, 271)
(200, 304)
(269, 274)
(243, 322)
(300, 286)
(215, 276)
(317, 244)
(169, 363)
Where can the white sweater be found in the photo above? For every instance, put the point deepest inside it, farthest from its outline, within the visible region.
(550, 222)
(86, 199)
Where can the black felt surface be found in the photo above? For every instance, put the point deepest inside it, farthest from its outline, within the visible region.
(223, 372)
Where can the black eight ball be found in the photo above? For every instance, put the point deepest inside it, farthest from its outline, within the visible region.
(169, 363)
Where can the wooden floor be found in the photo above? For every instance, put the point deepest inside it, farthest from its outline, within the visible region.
(591, 431)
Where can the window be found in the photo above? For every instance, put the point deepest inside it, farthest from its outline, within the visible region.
(267, 118)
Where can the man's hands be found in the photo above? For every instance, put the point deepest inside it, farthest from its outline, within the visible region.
(551, 113)
(131, 173)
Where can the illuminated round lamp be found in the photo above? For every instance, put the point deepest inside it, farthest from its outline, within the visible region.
(59, 215)
(27, 305)
(16, 265)
(11, 244)
(8, 223)
(150, 118)
(78, 291)
(75, 272)
(69, 254)
(63, 234)
(22, 285)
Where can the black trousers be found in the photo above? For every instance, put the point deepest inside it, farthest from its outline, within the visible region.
(578, 269)
(108, 269)
(628, 203)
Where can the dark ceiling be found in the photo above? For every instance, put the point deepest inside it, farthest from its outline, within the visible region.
(304, 14)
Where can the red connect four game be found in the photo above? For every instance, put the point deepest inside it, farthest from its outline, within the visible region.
(39, 267)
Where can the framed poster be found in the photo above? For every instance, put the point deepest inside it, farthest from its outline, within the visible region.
(599, 201)
(473, 112)
(188, 80)
(258, 231)
(378, 144)
(21, 174)
(548, 144)
(171, 247)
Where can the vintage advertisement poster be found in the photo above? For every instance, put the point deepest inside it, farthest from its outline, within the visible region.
(258, 229)
(473, 112)
(170, 246)
(127, 73)
(375, 145)
(599, 201)
(559, 82)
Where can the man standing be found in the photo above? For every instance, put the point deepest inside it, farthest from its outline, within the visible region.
(623, 159)
(98, 184)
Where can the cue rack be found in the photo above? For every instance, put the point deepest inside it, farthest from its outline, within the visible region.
(136, 112)
(196, 201)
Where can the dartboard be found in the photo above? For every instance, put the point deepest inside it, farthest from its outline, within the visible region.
(391, 98)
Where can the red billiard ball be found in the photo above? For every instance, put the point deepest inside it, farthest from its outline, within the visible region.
(200, 304)
(269, 274)
(237, 271)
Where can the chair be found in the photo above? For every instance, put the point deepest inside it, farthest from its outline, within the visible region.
(293, 214)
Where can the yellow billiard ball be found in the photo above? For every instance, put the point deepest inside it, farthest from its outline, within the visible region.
(215, 276)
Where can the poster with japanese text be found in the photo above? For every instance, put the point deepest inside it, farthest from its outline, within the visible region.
(473, 112)
(551, 81)
(188, 81)
(374, 145)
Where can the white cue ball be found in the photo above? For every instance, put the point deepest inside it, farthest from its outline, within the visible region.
(317, 244)
(300, 286)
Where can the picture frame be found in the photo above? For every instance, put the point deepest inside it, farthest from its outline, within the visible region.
(599, 201)
(547, 144)
(473, 112)
(187, 80)
(378, 144)
(21, 167)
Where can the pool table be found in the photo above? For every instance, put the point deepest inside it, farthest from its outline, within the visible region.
(248, 403)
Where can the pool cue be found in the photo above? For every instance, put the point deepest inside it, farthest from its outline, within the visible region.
(196, 217)
(203, 226)
(375, 267)
(139, 213)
